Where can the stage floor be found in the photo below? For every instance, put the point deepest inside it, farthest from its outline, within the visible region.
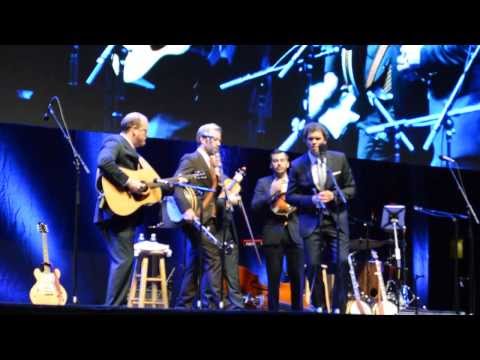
(14, 309)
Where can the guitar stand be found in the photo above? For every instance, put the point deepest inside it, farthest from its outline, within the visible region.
(393, 218)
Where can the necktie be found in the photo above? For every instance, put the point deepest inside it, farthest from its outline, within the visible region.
(321, 174)
(387, 86)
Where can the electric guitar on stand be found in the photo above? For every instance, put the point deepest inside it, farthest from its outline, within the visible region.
(47, 290)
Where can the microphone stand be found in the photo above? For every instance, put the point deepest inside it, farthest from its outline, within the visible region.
(399, 135)
(402, 273)
(471, 214)
(77, 161)
(454, 218)
(321, 208)
(343, 200)
(100, 61)
(199, 191)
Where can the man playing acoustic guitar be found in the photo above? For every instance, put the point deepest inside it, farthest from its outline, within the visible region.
(118, 231)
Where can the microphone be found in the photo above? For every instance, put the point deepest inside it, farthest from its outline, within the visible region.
(417, 208)
(447, 158)
(46, 115)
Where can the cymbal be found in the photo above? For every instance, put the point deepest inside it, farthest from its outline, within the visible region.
(365, 244)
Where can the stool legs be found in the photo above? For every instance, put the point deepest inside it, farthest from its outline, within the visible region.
(163, 283)
(133, 285)
(143, 282)
(153, 300)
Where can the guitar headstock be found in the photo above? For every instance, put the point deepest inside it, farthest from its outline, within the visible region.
(240, 174)
(42, 228)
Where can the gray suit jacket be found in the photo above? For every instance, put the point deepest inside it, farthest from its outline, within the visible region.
(189, 164)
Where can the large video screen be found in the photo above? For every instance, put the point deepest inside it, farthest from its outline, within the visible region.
(400, 103)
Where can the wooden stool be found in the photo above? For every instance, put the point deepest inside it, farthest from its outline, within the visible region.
(146, 253)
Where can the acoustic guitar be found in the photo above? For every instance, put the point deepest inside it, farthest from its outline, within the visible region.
(383, 306)
(356, 306)
(47, 290)
(123, 202)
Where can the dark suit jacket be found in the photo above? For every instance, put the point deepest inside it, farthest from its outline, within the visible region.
(273, 224)
(300, 193)
(115, 152)
(189, 164)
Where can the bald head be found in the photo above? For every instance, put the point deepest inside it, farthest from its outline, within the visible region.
(135, 126)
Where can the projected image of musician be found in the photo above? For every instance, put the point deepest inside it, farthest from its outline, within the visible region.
(367, 94)
(280, 232)
(442, 67)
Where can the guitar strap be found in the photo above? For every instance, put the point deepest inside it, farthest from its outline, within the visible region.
(348, 70)
(209, 197)
(142, 163)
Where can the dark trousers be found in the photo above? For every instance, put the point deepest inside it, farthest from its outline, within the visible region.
(378, 146)
(118, 234)
(203, 261)
(233, 294)
(321, 248)
(295, 262)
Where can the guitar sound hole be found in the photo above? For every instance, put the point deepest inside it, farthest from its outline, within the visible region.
(139, 197)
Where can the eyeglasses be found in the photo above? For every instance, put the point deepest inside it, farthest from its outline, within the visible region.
(213, 138)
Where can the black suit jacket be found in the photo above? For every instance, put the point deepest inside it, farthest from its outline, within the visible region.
(300, 192)
(273, 224)
(115, 152)
(189, 164)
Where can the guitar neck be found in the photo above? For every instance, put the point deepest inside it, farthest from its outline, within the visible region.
(381, 283)
(207, 233)
(171, 179)
(356, 291)
(46, 259)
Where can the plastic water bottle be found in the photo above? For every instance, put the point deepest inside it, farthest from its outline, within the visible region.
(141, 237)
(153, 237)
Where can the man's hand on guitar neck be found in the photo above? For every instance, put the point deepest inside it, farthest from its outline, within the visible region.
(189, 215)
(136, 186)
